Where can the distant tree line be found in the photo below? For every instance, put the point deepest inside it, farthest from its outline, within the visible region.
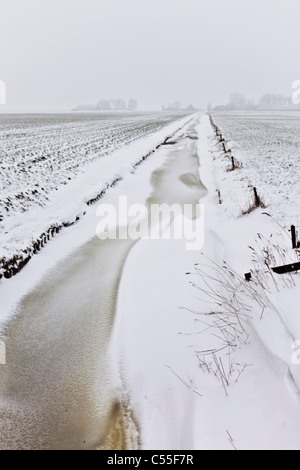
(270, 99)
(116, 104)
(238, 102)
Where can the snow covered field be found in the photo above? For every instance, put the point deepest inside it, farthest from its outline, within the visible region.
(53, 165)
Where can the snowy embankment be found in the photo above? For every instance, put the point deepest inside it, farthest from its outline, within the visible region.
(208, 364)
(25, 230)
(261, 240)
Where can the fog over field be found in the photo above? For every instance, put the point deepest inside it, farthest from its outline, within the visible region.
(60, 53)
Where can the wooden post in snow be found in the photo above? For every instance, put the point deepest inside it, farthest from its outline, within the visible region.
(294, 237)
(257, 201)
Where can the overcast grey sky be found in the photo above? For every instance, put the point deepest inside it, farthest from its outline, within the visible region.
(60, 53)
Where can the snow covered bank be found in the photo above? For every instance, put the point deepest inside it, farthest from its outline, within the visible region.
(262, 240)
(255, 243)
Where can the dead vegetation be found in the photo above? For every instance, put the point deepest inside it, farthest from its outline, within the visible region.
(229, 302)
(226, 320)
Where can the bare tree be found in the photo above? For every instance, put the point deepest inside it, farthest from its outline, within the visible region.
(237, 101)
(132, 104)
(103, 105)
(119, 104)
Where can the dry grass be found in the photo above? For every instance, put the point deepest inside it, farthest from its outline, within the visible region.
(229, 303)
(227, 320)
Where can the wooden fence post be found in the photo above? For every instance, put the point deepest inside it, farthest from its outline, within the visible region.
(257, 200)
(294, 237)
